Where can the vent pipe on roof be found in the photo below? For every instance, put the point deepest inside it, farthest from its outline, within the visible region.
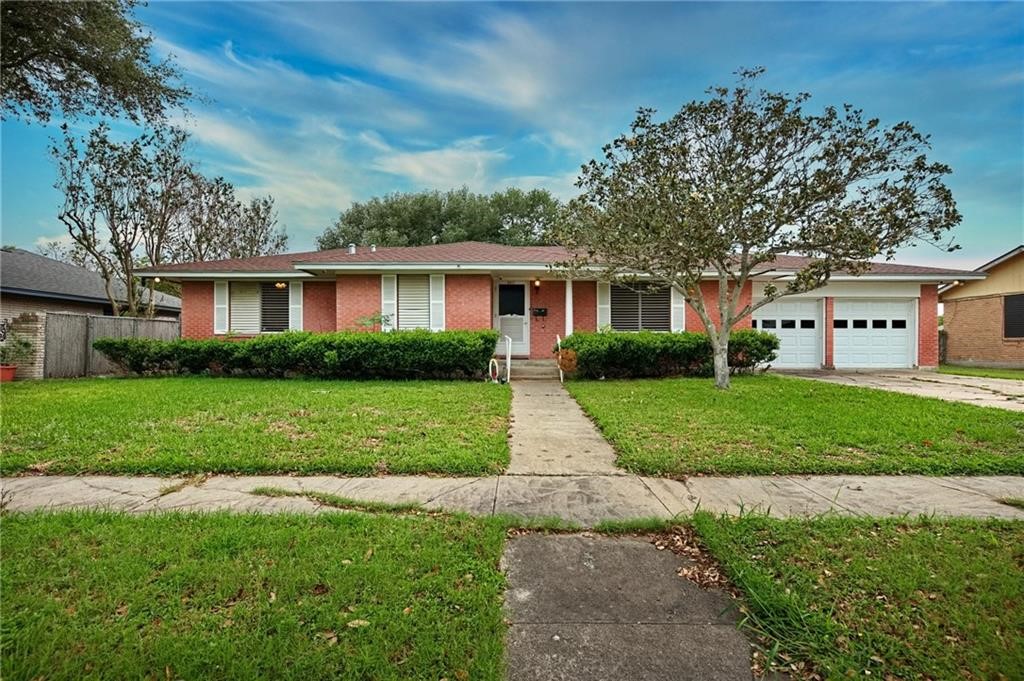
(351, 249)
(373, 248)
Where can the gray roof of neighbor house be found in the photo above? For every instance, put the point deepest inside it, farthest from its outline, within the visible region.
(465, 253)
(30, 274)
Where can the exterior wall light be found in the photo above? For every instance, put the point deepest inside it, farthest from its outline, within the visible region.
(536, 284)
(280, 284)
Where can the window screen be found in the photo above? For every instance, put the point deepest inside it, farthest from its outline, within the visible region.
(640, 307)
(1013, 316)
(273, 307)
(839, 323)
(860, 323)
(899, 323)
(806, 323)
(878, 324)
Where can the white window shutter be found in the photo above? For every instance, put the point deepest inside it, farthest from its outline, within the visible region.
(678, 310)
(604, 305)
(295, 306)
(220, 307)
(388, 302)
(437, 302)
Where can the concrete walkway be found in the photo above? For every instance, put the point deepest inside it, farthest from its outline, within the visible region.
(584, 500)
(583, 607)
(985, 392)
(550, 434)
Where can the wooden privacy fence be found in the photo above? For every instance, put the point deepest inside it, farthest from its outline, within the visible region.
(68, 348)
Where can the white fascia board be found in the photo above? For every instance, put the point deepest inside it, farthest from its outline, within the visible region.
(220, 274)
(924, 278)
(422, 267)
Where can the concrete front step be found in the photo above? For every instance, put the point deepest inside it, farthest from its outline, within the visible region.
(534, 370)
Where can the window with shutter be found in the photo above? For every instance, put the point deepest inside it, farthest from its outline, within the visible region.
(625, 309)
(1013, 316)
(413, 301)
(273, 307)
(244, 303)
(641, 307)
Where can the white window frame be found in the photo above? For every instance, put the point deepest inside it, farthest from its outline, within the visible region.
(221, 307)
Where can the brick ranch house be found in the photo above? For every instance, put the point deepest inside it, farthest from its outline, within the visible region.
(883, 319)
(984, 319)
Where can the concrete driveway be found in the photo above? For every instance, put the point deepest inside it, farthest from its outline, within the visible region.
(986, 392)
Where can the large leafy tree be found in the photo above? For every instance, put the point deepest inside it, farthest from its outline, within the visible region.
(512, 216)
(730, 182)
(141, 202)
(82, 58)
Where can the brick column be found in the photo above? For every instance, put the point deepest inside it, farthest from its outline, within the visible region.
(928, 327)
(830, 307)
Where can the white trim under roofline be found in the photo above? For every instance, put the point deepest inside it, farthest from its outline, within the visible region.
(424, 266)
(223, 274)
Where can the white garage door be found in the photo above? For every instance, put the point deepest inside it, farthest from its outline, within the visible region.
(873, 334)
(797, 323)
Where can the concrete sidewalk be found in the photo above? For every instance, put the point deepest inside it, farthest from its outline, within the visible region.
(584, 500)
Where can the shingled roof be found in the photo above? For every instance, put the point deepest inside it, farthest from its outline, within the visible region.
(463, 253)
(30, 274)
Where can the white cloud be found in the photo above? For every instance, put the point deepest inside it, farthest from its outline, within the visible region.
(466, 162)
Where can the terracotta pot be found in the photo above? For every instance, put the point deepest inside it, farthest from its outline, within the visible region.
(7, 372)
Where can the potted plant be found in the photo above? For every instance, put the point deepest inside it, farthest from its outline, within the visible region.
(15, 349)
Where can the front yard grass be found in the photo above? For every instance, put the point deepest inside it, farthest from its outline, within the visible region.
(239, 425)
(887, 599)
(983, 372)
(179, 596)
(776, 425)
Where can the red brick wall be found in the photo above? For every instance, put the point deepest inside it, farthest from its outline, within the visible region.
(543, 330)
(709, 289)
(830, 312)
(196, 309)
(584, 306)
(928, 327)
(974, 333)
(467, 302)
(319, 308)
(357, 296)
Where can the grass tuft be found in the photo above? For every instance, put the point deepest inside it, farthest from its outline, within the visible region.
(1016, 502)
(982, 372)
(336, 501)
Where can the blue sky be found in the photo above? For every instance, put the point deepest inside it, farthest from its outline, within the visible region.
(322, 104)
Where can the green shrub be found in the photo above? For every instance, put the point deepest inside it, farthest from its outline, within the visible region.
(397, 355)
(648, 354)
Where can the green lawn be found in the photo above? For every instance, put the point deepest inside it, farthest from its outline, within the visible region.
(773, 424)
(885, 599)
(346, 596)
(201, 424)
(984, 372)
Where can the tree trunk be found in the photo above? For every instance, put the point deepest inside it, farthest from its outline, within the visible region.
(722, 365)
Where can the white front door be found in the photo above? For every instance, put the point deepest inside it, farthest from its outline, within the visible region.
(513, 317)
(797, 323)
(874, 334)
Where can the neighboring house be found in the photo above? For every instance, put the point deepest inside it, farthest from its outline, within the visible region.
(30, 282)
(984, 319)
(885, 318)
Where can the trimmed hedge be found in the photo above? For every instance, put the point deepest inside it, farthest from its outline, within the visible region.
(648, 354)
(396, 355)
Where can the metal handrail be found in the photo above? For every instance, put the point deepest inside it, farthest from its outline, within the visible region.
(508, 359)
(558, 344)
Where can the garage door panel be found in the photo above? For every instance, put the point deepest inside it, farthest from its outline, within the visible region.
(873, 334)
(797, 324)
